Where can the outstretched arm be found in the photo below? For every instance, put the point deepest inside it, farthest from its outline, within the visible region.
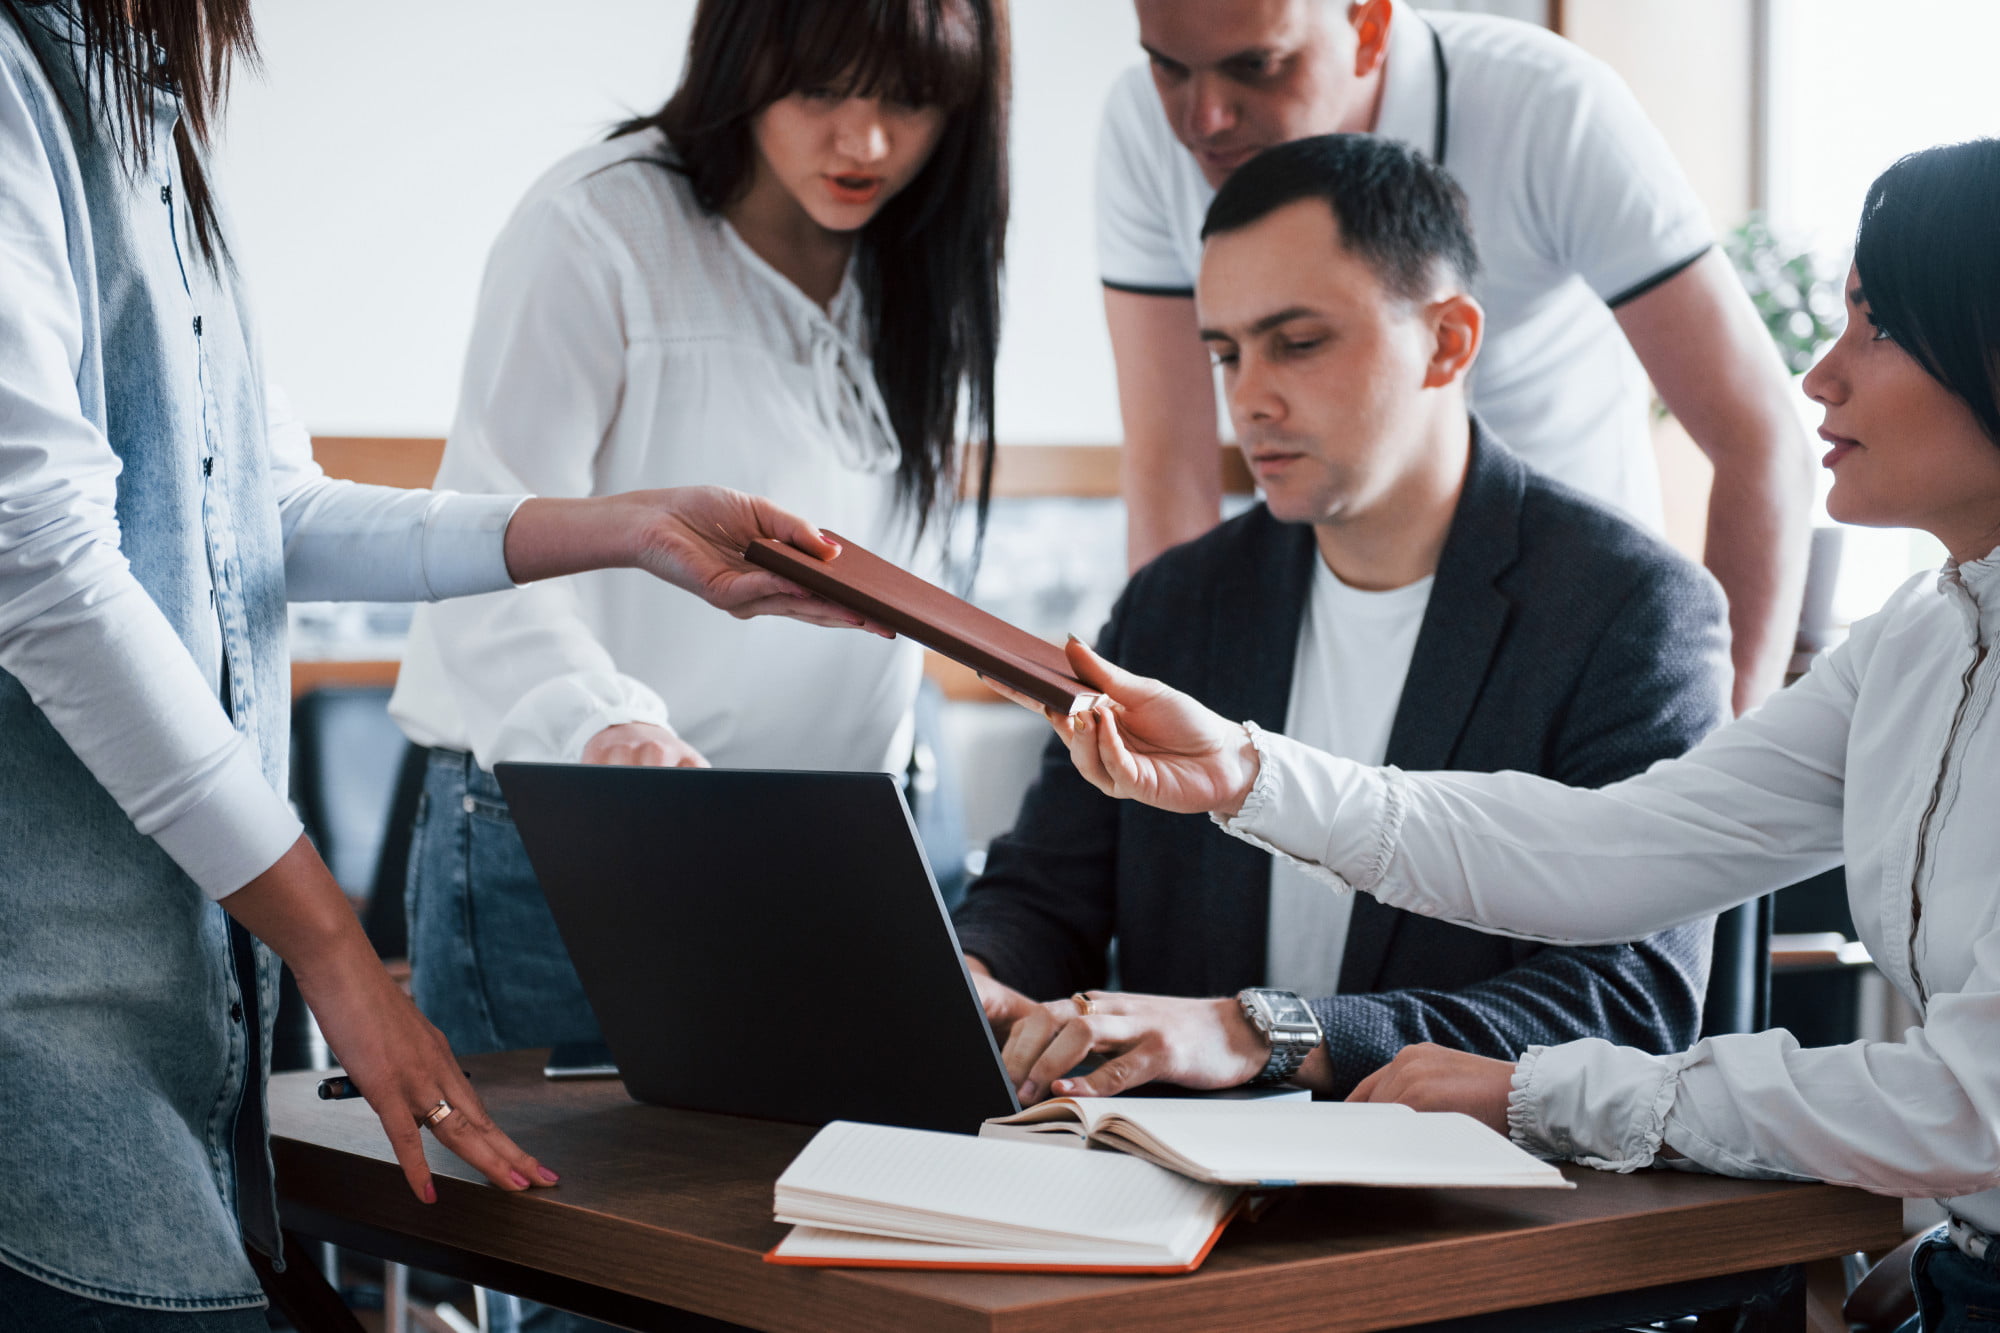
(350, 542)
(1755, 806)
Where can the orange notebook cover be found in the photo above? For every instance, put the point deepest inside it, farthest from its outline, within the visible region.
(1117, 1270)
(862, 581)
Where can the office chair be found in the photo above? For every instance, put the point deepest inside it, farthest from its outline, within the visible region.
(345, 752)
(1739, 973)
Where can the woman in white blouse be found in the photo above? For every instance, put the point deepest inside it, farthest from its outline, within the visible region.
(1886, 757)
(786, 280)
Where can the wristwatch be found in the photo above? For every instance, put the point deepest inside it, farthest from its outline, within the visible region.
(1287, 1022)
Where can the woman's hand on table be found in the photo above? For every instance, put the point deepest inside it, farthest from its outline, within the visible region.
(1428, 1077)
(1147, 742)
(400, 1062)
(690, 536)
(642, 745)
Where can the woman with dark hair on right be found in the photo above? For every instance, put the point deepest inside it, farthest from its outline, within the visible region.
(1885, 757)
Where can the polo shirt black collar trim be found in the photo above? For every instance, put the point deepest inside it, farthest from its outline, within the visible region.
(1416, 86)
(1139, 289)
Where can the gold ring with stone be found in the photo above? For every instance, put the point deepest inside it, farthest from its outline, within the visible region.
(1084, 1004)
(434, 1117)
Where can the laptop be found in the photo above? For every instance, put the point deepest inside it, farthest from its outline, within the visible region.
(762, 943)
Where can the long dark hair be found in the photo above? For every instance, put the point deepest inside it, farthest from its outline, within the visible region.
(929, 262)
(1928, 254)
(197, 42)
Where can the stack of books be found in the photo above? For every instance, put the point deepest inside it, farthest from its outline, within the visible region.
(1178, 1171)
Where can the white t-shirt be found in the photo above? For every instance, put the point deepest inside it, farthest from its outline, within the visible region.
(627, 339)
(1354, 651)
(1576, 205)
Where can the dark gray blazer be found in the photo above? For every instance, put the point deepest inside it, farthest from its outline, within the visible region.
(1559, 640)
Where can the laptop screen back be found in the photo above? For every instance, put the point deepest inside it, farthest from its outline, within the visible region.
(761, 943)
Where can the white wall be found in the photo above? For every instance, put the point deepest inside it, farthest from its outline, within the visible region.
(1691, 64)
(371, 164)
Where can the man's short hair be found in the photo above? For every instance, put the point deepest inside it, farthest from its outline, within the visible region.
(1397, 210)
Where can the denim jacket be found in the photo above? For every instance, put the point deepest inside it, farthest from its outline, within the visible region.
(130, 1028)
(153, 518)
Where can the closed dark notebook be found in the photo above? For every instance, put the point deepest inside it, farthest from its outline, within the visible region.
(862, 581)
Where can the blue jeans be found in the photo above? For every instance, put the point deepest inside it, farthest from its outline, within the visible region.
(486, 963)
(28, 1306)
(1955, 1292)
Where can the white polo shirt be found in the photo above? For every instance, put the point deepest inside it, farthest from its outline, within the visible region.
(1577, 205)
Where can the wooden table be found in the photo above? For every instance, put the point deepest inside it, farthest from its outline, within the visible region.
(666, 1211)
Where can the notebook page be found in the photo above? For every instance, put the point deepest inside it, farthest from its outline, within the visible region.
(919, 1182)
(1336, 1143)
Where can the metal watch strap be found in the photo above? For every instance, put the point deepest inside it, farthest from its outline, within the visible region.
(1288, 1051)
(1289, 1047)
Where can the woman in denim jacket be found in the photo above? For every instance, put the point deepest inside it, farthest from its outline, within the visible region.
(155, 514)
(1884, 758)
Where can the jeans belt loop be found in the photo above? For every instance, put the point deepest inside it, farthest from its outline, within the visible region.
(1973, 1242)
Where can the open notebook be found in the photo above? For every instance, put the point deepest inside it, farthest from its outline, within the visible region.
(878, 1196)
(1289, 1141)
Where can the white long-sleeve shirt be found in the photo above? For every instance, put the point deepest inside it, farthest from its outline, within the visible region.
(77, 629)
(1886, 756)
(628, 339)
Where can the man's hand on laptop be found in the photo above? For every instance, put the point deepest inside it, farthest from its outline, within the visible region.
(642, 745)
(1004, 1006)
(1148, 1038)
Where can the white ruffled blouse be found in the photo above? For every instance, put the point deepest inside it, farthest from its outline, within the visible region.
(1885, 757)
(627, 339)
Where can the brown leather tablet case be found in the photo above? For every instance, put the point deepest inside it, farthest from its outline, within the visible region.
(862, 581)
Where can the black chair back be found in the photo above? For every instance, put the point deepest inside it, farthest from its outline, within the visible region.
(1739, 975)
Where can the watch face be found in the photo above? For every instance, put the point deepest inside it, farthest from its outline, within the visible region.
(1287, 1009)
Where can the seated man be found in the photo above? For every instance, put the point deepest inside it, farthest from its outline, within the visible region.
(1409, 593)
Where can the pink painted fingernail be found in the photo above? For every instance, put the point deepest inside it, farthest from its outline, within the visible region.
(430, 1192)
(548, 1177)
(520, 1181)
(1062, 1085)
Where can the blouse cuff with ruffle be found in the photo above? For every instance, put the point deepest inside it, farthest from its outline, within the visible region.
(1263, 790)
(1594, 1103)
(1337, 820)
(1262, 803)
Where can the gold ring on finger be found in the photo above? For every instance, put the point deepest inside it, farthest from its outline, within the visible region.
(436, 1116)
(1084, 1004)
